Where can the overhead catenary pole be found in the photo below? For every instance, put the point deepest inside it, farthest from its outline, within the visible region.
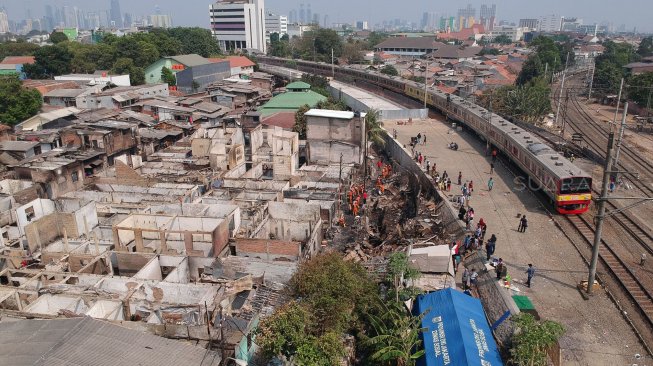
(600, 216)
(333, 69)
(562, 87)
(619, 140)
(616, 111)
(589, 94)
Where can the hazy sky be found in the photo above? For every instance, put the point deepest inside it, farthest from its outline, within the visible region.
(633, 13)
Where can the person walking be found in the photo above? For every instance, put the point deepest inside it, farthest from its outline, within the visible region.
(460, 178)
(523, 224)
(471, 187)
(530, 272)
(424, 140)
(494, 155)
(491, 168)
(490, 184)
(449, 184)
(428, 166)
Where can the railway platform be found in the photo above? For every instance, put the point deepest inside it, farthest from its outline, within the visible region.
(596, 333)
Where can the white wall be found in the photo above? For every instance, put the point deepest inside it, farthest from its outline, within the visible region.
(41, 208)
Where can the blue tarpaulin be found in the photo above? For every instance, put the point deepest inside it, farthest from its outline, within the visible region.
(457, 332)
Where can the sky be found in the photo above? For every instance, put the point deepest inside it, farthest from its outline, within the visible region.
(633, 13)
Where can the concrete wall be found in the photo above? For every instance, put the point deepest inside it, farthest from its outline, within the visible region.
(268, 249)
(391, 114)
(448, 214)
(39, 207)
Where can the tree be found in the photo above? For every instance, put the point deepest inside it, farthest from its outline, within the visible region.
(645, 48)
(50, 61)
(489, 51)
(19, 48)
(375, 38)
(195, 40)
(17, 103)
(353, 52)
(168, 77)
(502, 39)
(279, 46)
(300, 121)
(58, 37)
(531, 340)
(373, 128)
(610, 66)
(395, 336)
(389, 70)
(126, 66)
(639, 88)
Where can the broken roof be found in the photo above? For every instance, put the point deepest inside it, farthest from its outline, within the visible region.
(17, 145)
(85, 341)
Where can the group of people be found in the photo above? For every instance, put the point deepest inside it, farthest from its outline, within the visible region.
(444, 182)
(356, 198)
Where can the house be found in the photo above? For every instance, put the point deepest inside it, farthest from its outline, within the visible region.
(193, 72)
(112, 138)
(99, 78)
(453, 52)
(13, 65)
(57, 173)
(6, 133)
(334, 136)
(408, 46)
(63, 97)
(20, 149)
(55, 119)
(240, 65)
(645, 65)
(121, 96)
(280, 110)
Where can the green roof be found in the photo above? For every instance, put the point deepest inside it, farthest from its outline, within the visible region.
(523, 302)
(298, 85)
(291, 101)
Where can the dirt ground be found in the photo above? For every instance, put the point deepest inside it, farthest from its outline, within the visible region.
(596, 333)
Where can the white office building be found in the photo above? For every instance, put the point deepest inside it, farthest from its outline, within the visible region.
(275, 23)
(160, 21)
(550, 23)
(239, 24)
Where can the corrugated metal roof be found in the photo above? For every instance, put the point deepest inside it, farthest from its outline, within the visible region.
(190, 60)
(87, 341)
(291, 101)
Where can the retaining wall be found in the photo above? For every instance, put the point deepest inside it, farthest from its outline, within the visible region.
(388, 114)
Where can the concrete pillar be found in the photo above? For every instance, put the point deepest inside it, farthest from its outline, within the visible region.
(138, 240)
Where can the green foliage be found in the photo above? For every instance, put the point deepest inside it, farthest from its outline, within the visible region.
(288, 333)
(315, 81)
(645, 48)
(50, 61)
(375, 38)
(389, 70)
(19, 48)
(532, 338)
(168, 77)
(338, 292)
(126, 66)
(195, 40)
(279, 46)
(394, 336)
(489, 51)
(549, 56)
(373, 128)
(639, 88)
(353, 52)
(17, 103)
(502, 39)
(58, 37)
(317, 44)
(610, 66)
(300, 121)
(529, 103)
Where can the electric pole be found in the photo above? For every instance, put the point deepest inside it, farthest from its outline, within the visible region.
(601, 214)
(562, 87)
(616, 111)
(619, 140)
(589, 94)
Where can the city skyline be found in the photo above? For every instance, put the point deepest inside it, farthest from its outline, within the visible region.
(341, 11)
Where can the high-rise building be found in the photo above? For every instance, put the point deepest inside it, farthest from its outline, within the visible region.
(466, 16)
(570, 24)
(302, 14)
(4, 22)
(316, 18)
(550, 23)
(275, 23)
(362, 25)
(326, 22)
(309, 14)
(528, 23)
(115, 14)
(160, 21)
(48, 19)
(429, 21)
(239, 24)
(127, 20)
(488, 16)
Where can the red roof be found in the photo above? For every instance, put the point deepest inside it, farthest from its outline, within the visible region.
(285, 120)
(235, 61)
(18, 60)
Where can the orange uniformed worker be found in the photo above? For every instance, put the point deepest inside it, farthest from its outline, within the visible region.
(350, 196)
(355, 208)
(341, 220)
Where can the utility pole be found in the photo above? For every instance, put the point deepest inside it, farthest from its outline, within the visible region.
(601, 214)
(589, 94)
(546, 70)
(339, 189)
(425, 79)
(562, 87)
(619, 140)
(616, 111)
(333, 69)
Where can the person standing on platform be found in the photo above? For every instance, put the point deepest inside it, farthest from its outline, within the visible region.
(530, 272)
(523, 224)
(491, 168)
(449, 184)
(500, 268)
(460, 178)
(424, 141)
(494, 155)
(490, 246)
(490, 184)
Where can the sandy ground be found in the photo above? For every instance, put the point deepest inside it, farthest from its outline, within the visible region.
(596, 333)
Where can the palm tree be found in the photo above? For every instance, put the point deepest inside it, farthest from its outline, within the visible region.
(373, 128)
(396, 340)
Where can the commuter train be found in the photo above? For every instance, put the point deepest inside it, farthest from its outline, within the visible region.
(568, 187)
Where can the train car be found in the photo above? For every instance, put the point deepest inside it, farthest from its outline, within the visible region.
(568, 187)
